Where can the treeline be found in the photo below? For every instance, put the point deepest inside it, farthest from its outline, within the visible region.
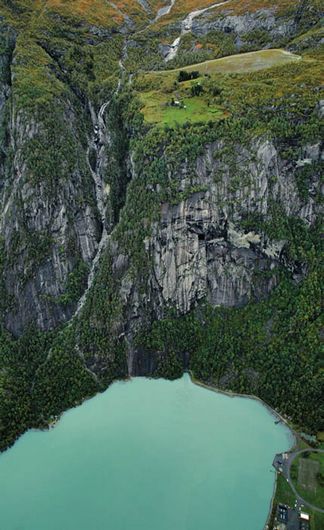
(41, 375)
(270, 349)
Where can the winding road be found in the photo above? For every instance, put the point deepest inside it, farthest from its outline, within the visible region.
(286, 473)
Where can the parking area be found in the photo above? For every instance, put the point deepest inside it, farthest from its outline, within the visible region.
(288, 518)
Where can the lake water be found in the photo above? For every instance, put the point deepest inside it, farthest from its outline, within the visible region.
(145, 455)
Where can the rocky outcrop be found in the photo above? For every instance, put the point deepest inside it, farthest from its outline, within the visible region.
(7, 43)
(241, 25)
(45, 236)
(197, 255)
(242, 29)
(200, 248)
(49, 222)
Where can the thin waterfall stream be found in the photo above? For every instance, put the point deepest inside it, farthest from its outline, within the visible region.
(186, 27)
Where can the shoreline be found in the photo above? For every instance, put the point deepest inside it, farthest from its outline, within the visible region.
(273, 412)
(276, 415)
(248, 396)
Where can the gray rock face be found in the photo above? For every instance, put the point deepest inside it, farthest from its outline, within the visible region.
(7, 42)
(200, 249)
(228, 22)
(45, 234)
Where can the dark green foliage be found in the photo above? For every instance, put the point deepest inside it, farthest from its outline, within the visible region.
(320, 479)
(36, 247)
(270, 349)
(40, 377)
(100, 324)
(118, 174)
(53, 153)
(62, 380)
(258, 39)
(196, 89)
(76, 283)
(3, 292)
(305, 176)
(19, 361)
(169, 366)
(303, 244)
(6, 49)
(185, 76)
(172, 334)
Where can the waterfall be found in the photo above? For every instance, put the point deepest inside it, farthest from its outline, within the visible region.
(186, 27)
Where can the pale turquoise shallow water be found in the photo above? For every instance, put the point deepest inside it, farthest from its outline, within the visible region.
(145, 455)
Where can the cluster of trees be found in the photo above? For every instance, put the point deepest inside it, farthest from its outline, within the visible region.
(41, 375)
(196, 89)
(185, 75)
(19, 361)
(76, 283)
(320, 479)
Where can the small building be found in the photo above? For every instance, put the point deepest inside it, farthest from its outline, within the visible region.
(282, 513)
(304, 523)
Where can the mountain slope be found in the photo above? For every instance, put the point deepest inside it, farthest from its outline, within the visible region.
(136, 203)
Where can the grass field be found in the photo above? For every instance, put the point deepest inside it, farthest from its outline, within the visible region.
(306, 477)
(244, 62)
(285, 495)
(157, 89)
(157, 110)
(307, 471)
(320, 436)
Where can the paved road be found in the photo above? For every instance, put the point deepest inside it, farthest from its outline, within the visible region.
(286, 473)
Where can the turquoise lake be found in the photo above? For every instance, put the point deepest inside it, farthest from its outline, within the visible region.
(146, 455)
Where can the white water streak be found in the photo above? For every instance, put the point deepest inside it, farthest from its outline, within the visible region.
(186, 27)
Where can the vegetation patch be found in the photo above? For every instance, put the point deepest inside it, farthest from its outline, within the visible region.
(244, 62)
(308, 476)
(158, 108)
(285, 495)
(224, 94)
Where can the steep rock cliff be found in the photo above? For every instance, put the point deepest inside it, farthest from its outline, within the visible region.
(202, 249)
(48, 228)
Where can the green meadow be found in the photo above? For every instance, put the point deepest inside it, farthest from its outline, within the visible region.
(244, 62)
(167, 102)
